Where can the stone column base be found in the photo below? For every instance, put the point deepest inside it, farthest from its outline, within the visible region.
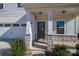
(50, 42)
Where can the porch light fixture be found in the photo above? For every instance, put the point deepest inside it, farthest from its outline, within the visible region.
(63, 11)
(40, 12)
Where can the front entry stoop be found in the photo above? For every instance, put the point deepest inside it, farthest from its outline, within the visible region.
(39, 48)
(38, 53)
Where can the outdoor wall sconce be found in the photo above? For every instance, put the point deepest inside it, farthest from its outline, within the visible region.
(40, 12)
(63, 11)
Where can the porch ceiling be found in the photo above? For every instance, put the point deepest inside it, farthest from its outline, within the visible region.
(70, 8)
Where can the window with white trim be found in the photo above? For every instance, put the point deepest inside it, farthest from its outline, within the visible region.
(1, 5)
(60, 27)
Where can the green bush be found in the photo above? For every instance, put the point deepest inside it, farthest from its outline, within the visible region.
(60, 50)
(77, 53)
(78, 35)
(77, 49)
(18, 47)
(77, 46)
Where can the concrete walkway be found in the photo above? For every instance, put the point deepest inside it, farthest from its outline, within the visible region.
(4, 48)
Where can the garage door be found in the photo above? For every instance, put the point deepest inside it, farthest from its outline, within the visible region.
(10, 31)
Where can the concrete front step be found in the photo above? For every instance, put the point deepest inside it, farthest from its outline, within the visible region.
(38, 49)
(40, 45)
(35, 51)
(42, 41)
(38, 53)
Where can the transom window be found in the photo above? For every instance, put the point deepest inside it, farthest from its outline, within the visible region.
(60, 27)
(7, 25)
(16, 25)
(23, 24)
(1, 25)
(1, 6)
(19, 5)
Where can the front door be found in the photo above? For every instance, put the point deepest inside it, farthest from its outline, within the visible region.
(41, 30)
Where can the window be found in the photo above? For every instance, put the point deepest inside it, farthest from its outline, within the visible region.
(1, 25)
(7, 25)
(15, 25)
(23, 24)
(1, 6)
(19, 5)
(60, 27)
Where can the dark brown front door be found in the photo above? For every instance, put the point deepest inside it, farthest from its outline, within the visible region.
(41, 30)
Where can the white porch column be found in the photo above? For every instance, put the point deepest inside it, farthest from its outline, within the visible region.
(50, 30)
(28, 37)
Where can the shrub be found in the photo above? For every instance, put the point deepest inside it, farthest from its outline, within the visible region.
(77, 49)
(78, 35)
(48, 53)
(73, 54)
(60, 50)
(77, 46)
(18, 47)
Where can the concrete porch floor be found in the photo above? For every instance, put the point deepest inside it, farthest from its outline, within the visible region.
(39, 48)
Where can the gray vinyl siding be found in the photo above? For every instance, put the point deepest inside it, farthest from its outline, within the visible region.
(11, 14)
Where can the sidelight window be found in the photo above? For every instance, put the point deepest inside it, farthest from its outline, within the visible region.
(1, 5)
